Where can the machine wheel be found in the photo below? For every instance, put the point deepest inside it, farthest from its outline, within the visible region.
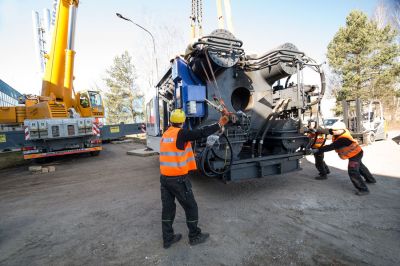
(371, 137)
(95, 153)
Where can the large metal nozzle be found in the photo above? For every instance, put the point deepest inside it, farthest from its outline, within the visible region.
(277, 63)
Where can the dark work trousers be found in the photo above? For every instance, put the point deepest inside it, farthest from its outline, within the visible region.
(357, 169)
(178, 187)
(320, 164)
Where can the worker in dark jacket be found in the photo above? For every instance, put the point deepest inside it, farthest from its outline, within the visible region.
(176, 160)
(348, 148)
(318, 138)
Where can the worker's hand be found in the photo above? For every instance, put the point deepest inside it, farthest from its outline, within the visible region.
(233, 118)
(223, 120)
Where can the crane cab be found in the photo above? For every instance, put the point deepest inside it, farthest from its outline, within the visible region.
(90, 104)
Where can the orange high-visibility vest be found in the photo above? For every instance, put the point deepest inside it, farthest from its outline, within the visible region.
(319, 141)
(348, 151)
(173, 161)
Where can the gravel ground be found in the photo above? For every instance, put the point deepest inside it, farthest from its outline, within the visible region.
(106, 210)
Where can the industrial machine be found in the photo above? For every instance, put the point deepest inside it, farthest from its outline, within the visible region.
(266, 133)
(59, 121)
(365, 120)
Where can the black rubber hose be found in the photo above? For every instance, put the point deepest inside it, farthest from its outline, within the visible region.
(204, 160)
(323, 87)
(287, 81)
(261, 142)
(203, 156)
(231, 159)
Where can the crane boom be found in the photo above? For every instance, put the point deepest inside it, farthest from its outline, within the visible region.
(57, 81)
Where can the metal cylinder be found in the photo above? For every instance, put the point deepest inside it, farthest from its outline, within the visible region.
(282, 69)
(71, 27)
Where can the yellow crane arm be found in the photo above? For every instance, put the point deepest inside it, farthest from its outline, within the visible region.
(58, 77)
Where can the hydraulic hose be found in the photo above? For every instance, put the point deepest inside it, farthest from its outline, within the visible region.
(280, 109)
(204, 159)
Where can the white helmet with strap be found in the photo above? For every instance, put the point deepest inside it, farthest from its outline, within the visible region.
(338, 126)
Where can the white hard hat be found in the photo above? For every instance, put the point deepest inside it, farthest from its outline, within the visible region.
(338, 126)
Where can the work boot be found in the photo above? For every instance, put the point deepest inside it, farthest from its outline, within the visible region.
(321, 177)
(362, 192)
(370, 180)
(175, 239)
(201, 238)
(328, 171)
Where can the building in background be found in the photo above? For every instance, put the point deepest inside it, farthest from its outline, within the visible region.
(8, 95)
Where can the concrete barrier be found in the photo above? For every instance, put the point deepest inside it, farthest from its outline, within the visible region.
(11, 159)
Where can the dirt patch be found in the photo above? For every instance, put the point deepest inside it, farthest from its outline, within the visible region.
(106, 210)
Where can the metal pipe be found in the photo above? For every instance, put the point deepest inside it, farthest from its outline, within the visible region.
(70, 56)
(71, 27)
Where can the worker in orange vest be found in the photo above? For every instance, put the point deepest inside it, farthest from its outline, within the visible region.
(318, 139)
(348, 148)
(176, 160)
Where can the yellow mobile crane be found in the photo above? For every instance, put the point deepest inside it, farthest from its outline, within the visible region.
(59, 121)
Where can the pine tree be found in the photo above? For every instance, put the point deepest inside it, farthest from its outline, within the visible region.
(365, 56)
(123, 99)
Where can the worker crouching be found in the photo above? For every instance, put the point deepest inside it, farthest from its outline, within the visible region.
(176, 161)
(348, 148)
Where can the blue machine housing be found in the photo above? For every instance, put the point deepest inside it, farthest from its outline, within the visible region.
(189, 91)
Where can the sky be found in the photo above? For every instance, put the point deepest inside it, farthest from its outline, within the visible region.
(100, 35)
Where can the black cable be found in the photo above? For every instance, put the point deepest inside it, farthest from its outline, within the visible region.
(287, 81)
(205, 159)
(203, 156)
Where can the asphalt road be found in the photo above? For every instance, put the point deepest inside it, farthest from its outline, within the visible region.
(106, 210)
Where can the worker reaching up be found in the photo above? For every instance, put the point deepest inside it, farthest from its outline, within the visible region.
(348, 148)
(318, 139)
(176, 160)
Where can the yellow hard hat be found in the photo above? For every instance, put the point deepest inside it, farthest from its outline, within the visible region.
(338, 126)
(177, 116)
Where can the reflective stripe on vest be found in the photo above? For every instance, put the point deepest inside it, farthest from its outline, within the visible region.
(173, 161)
(179, 153)
(319, 141)
(348, 151)
(180, 164)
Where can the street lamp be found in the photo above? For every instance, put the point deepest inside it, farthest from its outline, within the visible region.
(151, 35)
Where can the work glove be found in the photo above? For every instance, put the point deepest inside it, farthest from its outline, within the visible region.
(223, 120)
(212, 139)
